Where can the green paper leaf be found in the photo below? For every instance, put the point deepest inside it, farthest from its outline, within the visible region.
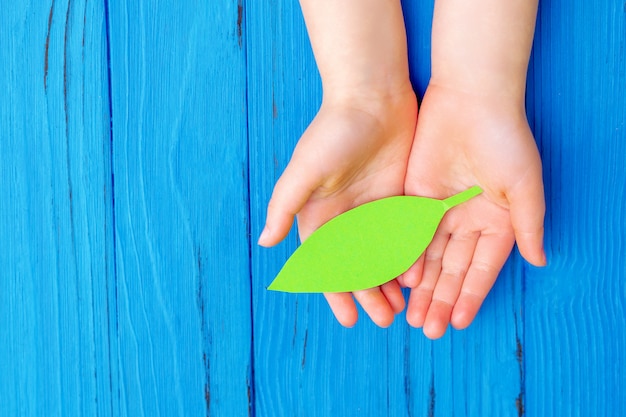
(366, 246)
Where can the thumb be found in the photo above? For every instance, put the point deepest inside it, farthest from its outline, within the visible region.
(527, 207)
(291, 192)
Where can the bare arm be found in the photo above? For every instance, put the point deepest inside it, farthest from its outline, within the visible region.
(473, 131)
(357, 147)
(359, 46)
(483, 46)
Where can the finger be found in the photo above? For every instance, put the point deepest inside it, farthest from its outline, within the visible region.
(394, 296)
(420, 297)
(412, 277)
(400, 280)
(490, 255)
(376, 306)
(291, 192)
(527, 207)
(343, 307)
(454, 264)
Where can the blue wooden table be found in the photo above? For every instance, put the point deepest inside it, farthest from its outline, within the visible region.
(139, 144)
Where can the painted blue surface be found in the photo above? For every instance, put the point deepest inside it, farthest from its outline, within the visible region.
(140, 143)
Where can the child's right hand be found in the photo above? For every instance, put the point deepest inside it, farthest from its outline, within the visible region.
(348, 156)
(473, 131)
(463, 140)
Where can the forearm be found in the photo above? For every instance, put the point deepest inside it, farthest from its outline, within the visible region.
(359, 46)
(482, 47)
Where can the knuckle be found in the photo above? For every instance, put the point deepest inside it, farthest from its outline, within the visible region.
(453, 270)
(443, 302)
(431, 256)
(424, 290)
(472, 295)
(483, 267)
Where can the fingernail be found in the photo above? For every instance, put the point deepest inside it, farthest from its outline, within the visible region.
(264, 236)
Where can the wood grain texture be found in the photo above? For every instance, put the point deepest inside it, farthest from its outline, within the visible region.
(575, 309)
(478, 371)
(182, 306)
(56, 255)
(140, 144)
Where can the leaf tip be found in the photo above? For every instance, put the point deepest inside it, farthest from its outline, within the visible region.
(278, 284)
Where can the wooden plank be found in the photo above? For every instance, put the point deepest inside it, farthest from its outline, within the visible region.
(55, 212)
(181, 208)
(478, 371)
(305, 362)
(575, 308)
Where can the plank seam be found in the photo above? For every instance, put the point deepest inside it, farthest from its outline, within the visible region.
(242, 26)
(107, 24)
(521, 341)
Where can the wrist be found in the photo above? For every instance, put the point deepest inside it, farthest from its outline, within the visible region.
(378, 100)
(471, 107)
(491, 76)
(383, 89)
(508, 91)
(360, 47)
(379, 73)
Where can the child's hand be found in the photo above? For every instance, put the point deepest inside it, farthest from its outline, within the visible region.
(348, 156)
(357, 147)
(464, 140)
